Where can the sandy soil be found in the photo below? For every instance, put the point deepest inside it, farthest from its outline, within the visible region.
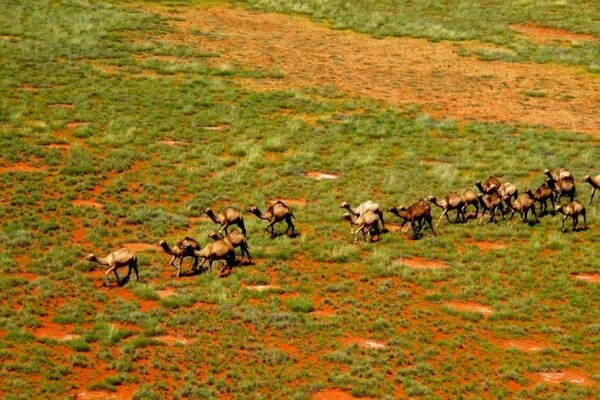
(401, 71)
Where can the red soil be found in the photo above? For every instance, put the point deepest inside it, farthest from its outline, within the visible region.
(401, 71)
(368, 344)
(335, 394)
(87, 203)
(66, 106)
(289, 202)
(470, 307)
(487, 246)
(523, 345)
(421, 263)
(141, 246)
(20, 167)
(591, 277)
(543, 35)
(563, 376)
(321, 175)
(51, 330)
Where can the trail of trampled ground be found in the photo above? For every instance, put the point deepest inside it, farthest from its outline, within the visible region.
(400, 71)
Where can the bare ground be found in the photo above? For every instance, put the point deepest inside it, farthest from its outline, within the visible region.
(400, 71)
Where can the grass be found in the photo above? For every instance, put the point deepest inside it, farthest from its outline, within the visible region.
(270, 344)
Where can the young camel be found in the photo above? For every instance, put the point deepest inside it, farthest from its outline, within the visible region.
(236, 239)
(217, 250)
(522, 205)
(229, 216)
(574, 209)
(276, 213)
(368, 224)
(115, 260)
(183, 248)
(542, 195)
(415, 215)
(451, 201)
(364, 207)
(595, 182)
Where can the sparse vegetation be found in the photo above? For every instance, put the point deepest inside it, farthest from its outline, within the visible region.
(111, 121)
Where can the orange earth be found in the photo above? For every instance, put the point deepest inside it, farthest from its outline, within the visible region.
(400, 71)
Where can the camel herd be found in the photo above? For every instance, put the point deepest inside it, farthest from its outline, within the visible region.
(494, 197)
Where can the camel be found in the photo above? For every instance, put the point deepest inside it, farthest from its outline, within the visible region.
(522, 205)
(574, 209)
(115, 260)
(415, 215)
(217, 250)
(542, 195)
(560, 174)
(451, 201)
(492, 203)
(493, 184)
(470, 198)
(276, 213)
(363, 207)
(236, 239)
(562, 187)
(183, 248)
(595, 182)
(368, 224)
(490, 182)
(229, 216)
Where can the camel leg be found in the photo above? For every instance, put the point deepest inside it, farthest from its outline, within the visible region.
(242, 227)
(592, 196)
(575, 221)
(195, 263)
(445, 213)
(534, 214)
(584, 220)
(290, 224)
(171, 263)
(429, 220)
(563, 222)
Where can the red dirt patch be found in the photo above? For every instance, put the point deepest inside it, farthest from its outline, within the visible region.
(487, 246)
(367, 344)
(174, 142)
(122, 393)
(263, 288)
(402, 71)
(421, 263)
(51, 330)
(321, 175)
(324, 312)
(563, 376)
(21, 167)
(336, 394)
(591, 277)
(58, 146)
(293, 202)
(172, 340)
(542, 34)
(87, 203)
(525, 345)
(65, 106)
(140, 246)
(469, 307)
(165, 293)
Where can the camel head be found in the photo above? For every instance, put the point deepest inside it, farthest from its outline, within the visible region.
(401, 208)
(345, 205)
(587, 178)
(432, 199)
(559, 208)
(254, 210)
(393, 209)
(161, 243)
(91, 257)
(207, 211)
(347, 217)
